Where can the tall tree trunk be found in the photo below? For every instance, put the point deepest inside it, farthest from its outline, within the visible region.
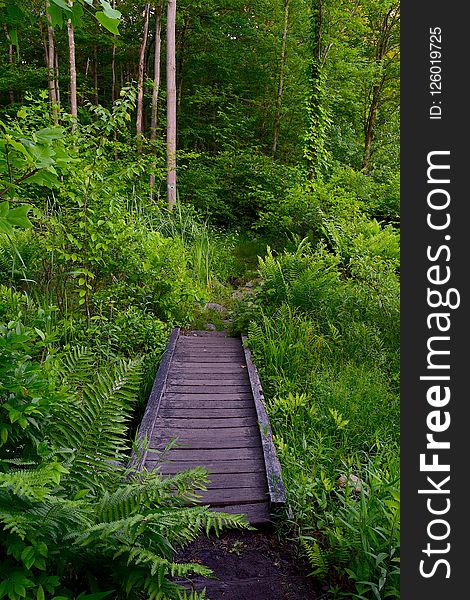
(11, 93)
(171, 102)
(113, 68)
(141, 73)
(369, 126)
(56, 78)
(113, 74)
(156, 71)
(156, 81)
(73, 71)
(95, 75)
(182, 56)
(384, 46)
(314, 150)
(51, 67)
(280, 88)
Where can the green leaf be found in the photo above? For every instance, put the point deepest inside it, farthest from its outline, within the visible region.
(63, 5)
(4, 209)
(77, 14)
(14, 12)
(3, 434)
(6, 228)
(44, 177)
(110, 12)
(56, 15)
(18, 216)
(48, 134)
(13, 33)
(108, 23)
(28, 556)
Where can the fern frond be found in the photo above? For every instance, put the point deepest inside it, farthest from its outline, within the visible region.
(162, 567)
(32, 483)
(316, 558)
(15, 522)
(75, 366)
(150, 489)
(94, 423)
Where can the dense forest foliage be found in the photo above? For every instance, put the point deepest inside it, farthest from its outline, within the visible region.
(284, 227)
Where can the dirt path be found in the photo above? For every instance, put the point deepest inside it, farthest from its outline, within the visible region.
(252, 565)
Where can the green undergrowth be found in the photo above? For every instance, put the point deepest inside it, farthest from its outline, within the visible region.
(324, 330)
(94, 274)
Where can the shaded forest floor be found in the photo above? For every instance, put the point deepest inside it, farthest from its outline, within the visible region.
(251, 565)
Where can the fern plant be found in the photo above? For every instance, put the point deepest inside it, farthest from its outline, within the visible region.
(73, 521)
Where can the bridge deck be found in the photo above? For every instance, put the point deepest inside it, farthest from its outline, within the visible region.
(208, 397)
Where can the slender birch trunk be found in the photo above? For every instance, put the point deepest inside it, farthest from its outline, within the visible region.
(11, 93)
(73, 70)
(56, 77)
(113, 68)
(95, 75)
(171, 102)
(156, 81)
(51, 68)
(156, 72)
(280, 88)
(113, 74)
(182, 60)
(141, 73)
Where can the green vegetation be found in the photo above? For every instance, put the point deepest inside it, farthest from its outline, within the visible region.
(287, 216)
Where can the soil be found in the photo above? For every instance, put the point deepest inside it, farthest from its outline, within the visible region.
(251, 565)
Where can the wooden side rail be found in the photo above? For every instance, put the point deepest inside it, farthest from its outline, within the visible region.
(273, 467)
(151, 412)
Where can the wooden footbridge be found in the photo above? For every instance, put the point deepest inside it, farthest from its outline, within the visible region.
(208, 397)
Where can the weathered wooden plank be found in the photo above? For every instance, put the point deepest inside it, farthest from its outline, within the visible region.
(217, 466)
(209, 341)
(207, 413)
(199, 395)
(196, 442)
(257, 513)
(148, 421)
(214, 402)
(273, 468)
(221, 481)
(241, 379)
(198, 376)
(243, 480)
(235, 495)
(204, 358)
(211, 434)
(207, 368)
(213, 389)
(202, 423)
(210, 455)
(200, 349)
(210, 348)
